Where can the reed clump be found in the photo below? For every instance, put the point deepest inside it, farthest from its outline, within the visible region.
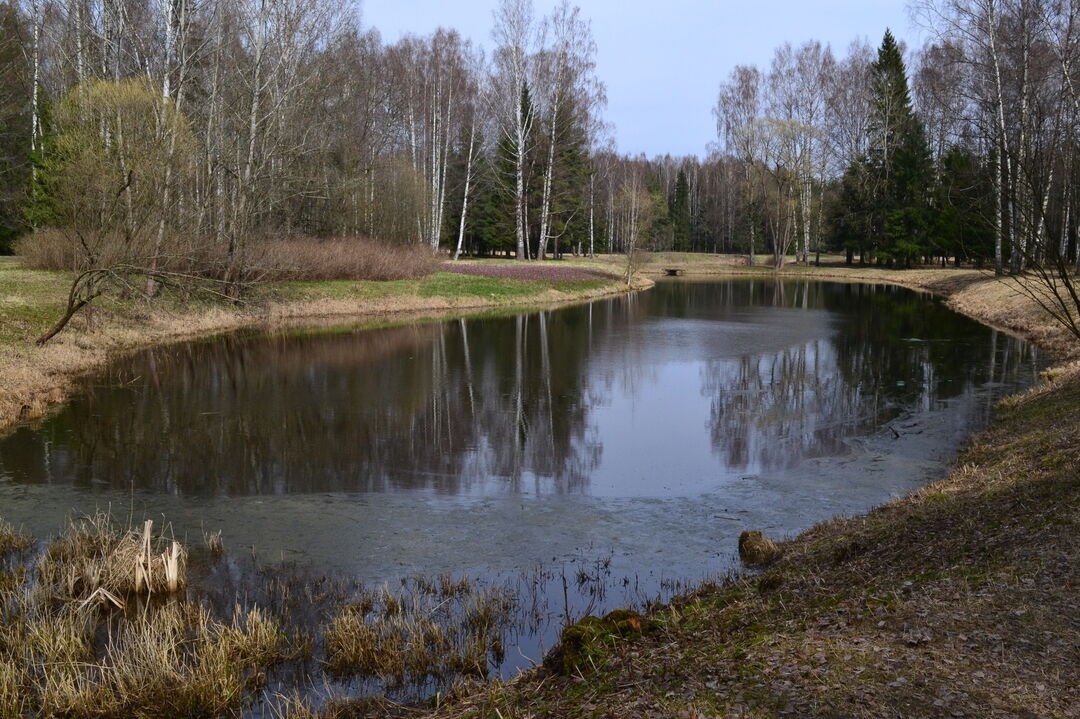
(255, 638)
(162, 663)
(172, 660)
(214, 543)
(95, 557)
(95, 626)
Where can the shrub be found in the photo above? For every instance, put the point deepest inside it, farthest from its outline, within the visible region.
(343, 258)
(279, 258)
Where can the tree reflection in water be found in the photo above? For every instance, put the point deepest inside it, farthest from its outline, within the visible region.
(785, 370)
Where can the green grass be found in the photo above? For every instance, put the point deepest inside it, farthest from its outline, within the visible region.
(445, 285)
(30, 300)
(452, 285)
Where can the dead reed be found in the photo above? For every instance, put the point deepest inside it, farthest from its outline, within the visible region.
(254, 638)
(98, 625)
(214, 543)
(94, 554)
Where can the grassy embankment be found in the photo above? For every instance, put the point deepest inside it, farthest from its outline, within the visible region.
(961, 600)
(33, 378)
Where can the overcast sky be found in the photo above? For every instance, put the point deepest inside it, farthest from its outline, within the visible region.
(662, 61)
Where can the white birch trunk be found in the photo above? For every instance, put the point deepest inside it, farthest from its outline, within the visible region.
(468, 182)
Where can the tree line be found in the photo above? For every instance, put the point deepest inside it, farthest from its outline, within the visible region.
(970, 157)
(202, 127)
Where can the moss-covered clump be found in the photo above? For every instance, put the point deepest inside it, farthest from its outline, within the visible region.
(757, 549)
(581, 642)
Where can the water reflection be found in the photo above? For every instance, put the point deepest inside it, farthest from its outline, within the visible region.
(659, 394)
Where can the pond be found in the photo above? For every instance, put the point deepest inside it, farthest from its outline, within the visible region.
(632, 437)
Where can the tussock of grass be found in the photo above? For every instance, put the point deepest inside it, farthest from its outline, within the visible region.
(163, 664)
(442, 628)
(12, 540)
(61, 655)
(95, 554)
(254, 638)
(172, 654)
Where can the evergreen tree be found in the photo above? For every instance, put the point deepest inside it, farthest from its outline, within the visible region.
(570, 183)
(889, 190)
(851, 213)
(964, 198)
(14, 125)
(40, 202)
(680, 214)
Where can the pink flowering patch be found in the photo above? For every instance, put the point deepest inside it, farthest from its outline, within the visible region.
(531, 271)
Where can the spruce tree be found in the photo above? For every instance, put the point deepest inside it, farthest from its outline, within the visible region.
(14, 125)
(680, 214)
(570, 185)
(898, 170)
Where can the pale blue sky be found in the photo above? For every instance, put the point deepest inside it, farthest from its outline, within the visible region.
(663, 61)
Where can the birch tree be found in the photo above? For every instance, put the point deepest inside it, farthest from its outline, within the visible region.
(514, 34)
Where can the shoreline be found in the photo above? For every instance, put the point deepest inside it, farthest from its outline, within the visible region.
(946, 602)
(35, 379)
(978, 294)
(881, 614)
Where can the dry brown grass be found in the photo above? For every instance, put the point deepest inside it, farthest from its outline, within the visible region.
(13, 703)
(12, 540)
(161, 664)
(443, 628)
(254, 638)
(63, 656)
(188, 654)
(343, 258)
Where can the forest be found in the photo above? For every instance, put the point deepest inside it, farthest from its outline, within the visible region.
(192, 135)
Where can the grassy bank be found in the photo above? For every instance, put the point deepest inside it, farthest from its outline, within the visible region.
(34, 378)
(960, 600)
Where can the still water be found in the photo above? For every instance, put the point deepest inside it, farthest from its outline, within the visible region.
(648, 429)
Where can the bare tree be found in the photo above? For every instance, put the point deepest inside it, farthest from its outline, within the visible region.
(515, 38)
